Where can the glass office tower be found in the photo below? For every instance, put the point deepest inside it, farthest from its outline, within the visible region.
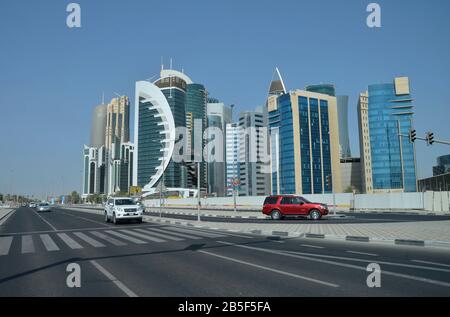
(304, 143)
(390, 113)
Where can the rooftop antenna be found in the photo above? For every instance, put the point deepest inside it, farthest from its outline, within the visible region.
(162, 63)
(103, 98)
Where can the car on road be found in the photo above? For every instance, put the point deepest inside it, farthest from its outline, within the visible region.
(122, 208)
(32, 205)
(281, 206)
(43, 207)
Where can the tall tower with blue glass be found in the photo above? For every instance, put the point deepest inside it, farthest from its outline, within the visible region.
(390, 114)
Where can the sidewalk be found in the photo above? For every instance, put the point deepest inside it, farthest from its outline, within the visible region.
(423, 233)
(4, 214)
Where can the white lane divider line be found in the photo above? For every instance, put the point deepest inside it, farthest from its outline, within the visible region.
(143, 236)
(316, 258)
(108, 238)
(42, 218)
(159, 235)
(312, 246)
(125, 237)
(177, 234)
(71, 243)
(27, 244)
(89, 240)
(5, 245)
(270, 269)
(113, 279)
(432, 263)
(48, 242)
(362, 253)
(85, 219)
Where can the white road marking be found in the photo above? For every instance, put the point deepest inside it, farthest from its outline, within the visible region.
(89, 240)
(195, 232)
(312, 246)
(175, 234)
(27, 244)
(143, 236)
(160, 235)
(71, 243)
(432, 263)
(125, 237)
(362, 253)
(313, 258)
(86, 219)
(108, 238)
(270, 269)
(42, 218)
(113, 279)
(5, 244)
(48, 242)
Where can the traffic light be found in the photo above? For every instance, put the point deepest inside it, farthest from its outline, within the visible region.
(412, 136)
(192, 172)
(430, 138)
(328, 180)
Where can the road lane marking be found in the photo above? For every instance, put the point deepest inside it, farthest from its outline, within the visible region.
(42, 218)
(5, 244)
(175, 234)
(270, 269)
(89, 240)
(48, 242)
(195, 232)
(85, 219)
(71, 243)
(313, 258)
(125, 237)
(143, 236)
(312, 246)
(432, 263)
(113, 279)
(108, 238)
(160, 235)
(362, 253)
(27, 244)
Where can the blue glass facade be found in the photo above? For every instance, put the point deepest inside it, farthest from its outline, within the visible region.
(315, 154)
(393, 166)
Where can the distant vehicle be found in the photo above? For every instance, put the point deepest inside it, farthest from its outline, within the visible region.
(43, 207)
(278, 207)
(122, 208)
(32, 205)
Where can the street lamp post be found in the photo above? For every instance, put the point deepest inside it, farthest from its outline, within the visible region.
(198, 191)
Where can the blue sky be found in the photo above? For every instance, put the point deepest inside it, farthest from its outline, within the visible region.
(51, 77)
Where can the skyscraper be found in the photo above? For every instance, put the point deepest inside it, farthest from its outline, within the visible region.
(232, 155)
(94, 156)
(218, 116)
(154, 135)
(196, 96)
(253, 146)
(117, 133)
(304, 139)
(392, 158)
(342, 109)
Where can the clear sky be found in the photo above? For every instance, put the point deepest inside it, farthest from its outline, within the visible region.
(52, 77)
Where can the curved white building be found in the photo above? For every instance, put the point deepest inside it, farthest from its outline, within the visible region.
(154, 135)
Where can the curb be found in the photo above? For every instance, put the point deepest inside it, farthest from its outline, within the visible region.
(6, 216)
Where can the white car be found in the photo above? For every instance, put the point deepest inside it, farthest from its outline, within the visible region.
(122, 208)
(43, 207)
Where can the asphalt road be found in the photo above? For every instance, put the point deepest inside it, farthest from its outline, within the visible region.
(349, 218)
(151, 259)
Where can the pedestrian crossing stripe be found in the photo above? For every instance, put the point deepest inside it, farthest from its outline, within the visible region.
(76, 240)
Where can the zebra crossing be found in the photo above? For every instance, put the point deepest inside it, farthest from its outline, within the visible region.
(75, 240)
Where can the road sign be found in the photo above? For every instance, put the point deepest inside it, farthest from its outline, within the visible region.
(135, 190)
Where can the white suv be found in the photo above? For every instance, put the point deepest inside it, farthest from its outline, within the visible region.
(122, 208)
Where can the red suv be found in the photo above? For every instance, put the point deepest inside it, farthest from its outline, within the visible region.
(288, 205)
